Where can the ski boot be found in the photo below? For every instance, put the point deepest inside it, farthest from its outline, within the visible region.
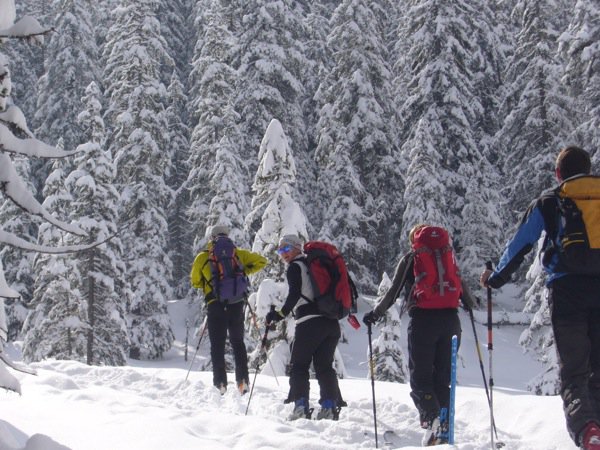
(243, 387)
(328, 410)
(301, 410)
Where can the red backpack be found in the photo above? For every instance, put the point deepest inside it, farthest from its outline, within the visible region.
(437, 280)
(335, 293)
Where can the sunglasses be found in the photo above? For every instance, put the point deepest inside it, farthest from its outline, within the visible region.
(284, 249)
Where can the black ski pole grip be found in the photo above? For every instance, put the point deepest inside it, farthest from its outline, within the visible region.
(488, 265)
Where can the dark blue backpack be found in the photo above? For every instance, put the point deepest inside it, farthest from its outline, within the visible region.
(229, 282)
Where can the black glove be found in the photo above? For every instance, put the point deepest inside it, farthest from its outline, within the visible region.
(274, 316)
(370, 318)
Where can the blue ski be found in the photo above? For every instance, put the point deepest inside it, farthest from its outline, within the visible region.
(452, 391)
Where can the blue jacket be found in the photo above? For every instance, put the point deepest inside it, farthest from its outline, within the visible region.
(542, 215)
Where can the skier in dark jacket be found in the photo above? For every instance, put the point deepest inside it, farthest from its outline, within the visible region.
(315, 337)
(574, 302)
(430, 334)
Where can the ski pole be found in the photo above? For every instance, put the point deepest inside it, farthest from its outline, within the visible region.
(263, 345)
(197, 346)
(488, 266)
(372, 370)
(485, 385)
(254, 321)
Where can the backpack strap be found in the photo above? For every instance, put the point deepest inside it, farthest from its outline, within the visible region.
(440, 269)
(214, 270)
(304, 262)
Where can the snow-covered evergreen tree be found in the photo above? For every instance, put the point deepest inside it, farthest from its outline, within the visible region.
(270, 60)
(18, 264)
(212, 87)
(228, 203)
(317, 23)
(438, 128)
(144, 48)
(493, 42)
(56, 325)
(26, 66)
(580, 47)
(280, 214)
(176, 27)
(137, 114)
(356, 143)
(71, 64)
(101, 270)
(103, 18)
(180, 239)
(273, 205)
(389, 359)
(538, 338)
(17, 139)
(537, 114)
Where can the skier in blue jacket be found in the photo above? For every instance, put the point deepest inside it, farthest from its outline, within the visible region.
(574, 300)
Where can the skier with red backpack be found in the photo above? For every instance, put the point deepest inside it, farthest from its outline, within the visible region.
(221, 271)
(320, 293)
(433, 288)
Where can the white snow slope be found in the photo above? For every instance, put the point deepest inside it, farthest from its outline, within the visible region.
(148, 405)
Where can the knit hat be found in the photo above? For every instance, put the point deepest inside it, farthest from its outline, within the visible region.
(219, 229)
(291, 239)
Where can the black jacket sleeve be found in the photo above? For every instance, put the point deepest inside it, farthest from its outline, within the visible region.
(401, 276)
(294, 279)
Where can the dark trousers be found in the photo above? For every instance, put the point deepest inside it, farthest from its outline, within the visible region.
(575, 311)
(314, 340)
(430, 334)
(223, 319)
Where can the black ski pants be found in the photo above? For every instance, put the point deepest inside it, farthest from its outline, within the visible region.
(430, 334)
(223, 319)
(315, 340)
(575, 311)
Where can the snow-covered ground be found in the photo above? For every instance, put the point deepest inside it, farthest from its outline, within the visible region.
(149, 405)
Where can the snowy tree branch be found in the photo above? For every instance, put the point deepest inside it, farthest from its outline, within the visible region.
(26, 28)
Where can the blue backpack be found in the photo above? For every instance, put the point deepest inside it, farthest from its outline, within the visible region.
(229, 282)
